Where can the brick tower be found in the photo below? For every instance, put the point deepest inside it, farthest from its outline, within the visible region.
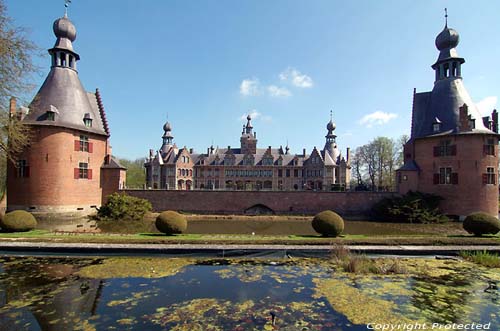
(68, 166)
(452, 151)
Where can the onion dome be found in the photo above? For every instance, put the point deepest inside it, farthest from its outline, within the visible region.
(64, 28)
(331, 126)
(167, 127)
(446, 39)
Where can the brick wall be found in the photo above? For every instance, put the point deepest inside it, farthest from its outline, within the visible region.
(51, 185)
(470, 163)
(236, 202)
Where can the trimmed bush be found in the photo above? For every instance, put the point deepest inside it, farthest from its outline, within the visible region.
(169, 222)
(328, 223)
(124, 207)
(18, 221)
(413, 207)
(481, 223)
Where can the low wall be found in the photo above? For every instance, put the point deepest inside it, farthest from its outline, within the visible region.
(236, 202)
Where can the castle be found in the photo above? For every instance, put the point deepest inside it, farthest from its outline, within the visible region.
(248, 168)
(452, 151)
(68, 166)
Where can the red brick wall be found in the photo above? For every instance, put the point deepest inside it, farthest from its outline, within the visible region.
(470, 162)
(51, 184)
(112, 180)
(229, 202)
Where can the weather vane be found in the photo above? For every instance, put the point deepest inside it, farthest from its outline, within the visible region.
(331, 115)
(446, 16)
(66, 5)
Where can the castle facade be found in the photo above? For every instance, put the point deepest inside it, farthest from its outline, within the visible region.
(248, 168)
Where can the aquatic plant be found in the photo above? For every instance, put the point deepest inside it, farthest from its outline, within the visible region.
(328, 223)
(169, 222)
(18, 221)
(123, 207)
(124, 267)
(483, 258)
(481, 223)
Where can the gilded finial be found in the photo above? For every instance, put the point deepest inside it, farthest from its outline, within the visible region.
(446, 17)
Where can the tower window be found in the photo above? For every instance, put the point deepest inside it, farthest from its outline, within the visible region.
(87, 122)
(22, 169)
(84, 143)
(83, 170)
(446, 176)
(489, 176)
(489, 147)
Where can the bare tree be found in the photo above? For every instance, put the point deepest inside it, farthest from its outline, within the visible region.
(16, 71)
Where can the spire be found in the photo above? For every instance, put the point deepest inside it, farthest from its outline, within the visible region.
(167, 136)
(448, 64)
(249, 127)
(66, 5)
(330, 144)
(62, 53)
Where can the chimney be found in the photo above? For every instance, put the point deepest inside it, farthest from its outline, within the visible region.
(191, 151)
(304, 151)
(463, 119)
(494, 118)
(13, 106)
(348, 154)
(208, 151)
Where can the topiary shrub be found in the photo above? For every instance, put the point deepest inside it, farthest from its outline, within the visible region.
(123, 207)
(328, 223)
(18, 221)
(413, 207)
(481, 223)
(171, 222)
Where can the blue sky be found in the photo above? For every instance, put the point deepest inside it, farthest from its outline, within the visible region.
(205, 64)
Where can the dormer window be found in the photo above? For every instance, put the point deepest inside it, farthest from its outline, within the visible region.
(436, 125)
(51, 116)
(87, 120)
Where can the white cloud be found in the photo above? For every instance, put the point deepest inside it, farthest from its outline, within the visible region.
(249, 87)
(296, 78)
(276, 91)
(487, 105)
(255, 115)
(377, 118)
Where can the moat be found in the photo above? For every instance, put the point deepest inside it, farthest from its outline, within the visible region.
(143, 293)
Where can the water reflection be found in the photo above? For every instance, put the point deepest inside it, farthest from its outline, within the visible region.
(186, 294)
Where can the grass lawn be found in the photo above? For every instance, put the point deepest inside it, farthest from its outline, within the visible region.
(154, 238)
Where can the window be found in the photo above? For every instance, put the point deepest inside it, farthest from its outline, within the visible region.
(22, 169)
(489, 176)
(83, 145)
(51, 116)
(280, 173)
(446, 177)
(288, 172)
(267, 161)
(445, 148)
(436, 127)
(87, 122)
(83, 171)
(295, 173)
(489, 147)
